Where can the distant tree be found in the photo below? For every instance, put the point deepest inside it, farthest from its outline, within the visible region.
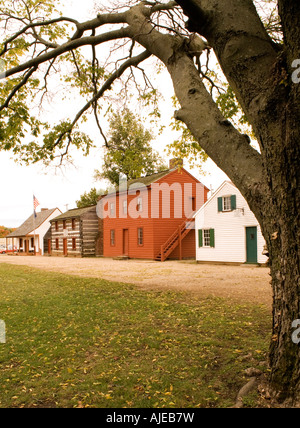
(4, 231)
(89, 198)
(128, 152)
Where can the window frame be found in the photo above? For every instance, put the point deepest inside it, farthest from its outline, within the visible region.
(226, 203)
(125, 207)
(206, 238)
(112, 237)
(112, 209)
(74, 244)
(140, 236)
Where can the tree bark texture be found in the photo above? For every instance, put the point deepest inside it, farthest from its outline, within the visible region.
(260, 74)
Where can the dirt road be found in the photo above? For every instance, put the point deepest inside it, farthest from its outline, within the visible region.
(239, 283)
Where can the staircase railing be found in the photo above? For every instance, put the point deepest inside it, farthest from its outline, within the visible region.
(174, 240)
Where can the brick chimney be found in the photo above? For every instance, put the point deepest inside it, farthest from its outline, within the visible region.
(175, 163)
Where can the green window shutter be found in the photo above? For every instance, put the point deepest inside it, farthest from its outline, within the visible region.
(233, 202)
(212, 237)
(200, 239)
(220, 205)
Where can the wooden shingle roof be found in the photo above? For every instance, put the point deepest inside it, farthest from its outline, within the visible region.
(74, 213)
(31, 223)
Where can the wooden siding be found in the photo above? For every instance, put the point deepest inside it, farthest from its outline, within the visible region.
(156, 228)
(229, 229)
(68, 234)
(85, 233)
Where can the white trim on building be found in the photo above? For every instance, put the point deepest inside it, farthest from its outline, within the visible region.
(227, 231)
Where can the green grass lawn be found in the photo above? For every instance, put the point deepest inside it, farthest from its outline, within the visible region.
(76, 342)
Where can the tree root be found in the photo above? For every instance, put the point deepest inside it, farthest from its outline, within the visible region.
(253, 382)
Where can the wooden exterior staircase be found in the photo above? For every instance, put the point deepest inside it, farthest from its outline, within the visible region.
(175, 240)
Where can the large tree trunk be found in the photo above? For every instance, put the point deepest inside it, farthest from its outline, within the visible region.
(260, 74)
(281, 222)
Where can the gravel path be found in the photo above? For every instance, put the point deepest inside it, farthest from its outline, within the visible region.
(238, 283)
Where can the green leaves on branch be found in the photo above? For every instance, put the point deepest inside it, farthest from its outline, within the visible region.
(186, 146)
(30, 28)
(89, 198)
(129, 152)
(59, 140)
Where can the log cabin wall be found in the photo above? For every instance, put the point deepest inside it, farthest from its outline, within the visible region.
(76, 234)
(89, 234)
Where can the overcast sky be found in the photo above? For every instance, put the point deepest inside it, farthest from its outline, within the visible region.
(61, 188)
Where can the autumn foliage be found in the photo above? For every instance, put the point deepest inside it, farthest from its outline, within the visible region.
(4, 231)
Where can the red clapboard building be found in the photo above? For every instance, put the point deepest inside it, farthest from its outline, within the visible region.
(151, 217)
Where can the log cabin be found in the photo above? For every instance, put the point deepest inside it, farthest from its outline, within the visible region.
(76, 233)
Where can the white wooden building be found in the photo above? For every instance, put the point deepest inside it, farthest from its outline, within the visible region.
(29, 237)
(227, 231)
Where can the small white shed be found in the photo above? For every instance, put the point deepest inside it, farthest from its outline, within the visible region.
(227, 231)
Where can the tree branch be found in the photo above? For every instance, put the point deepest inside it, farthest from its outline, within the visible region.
(245, 51)
(228, 148)
(18, 87)
(220, 140)
(132, 62)
(34, 25)
(69, 46)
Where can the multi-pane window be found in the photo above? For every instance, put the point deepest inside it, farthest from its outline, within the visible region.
(64, 224)
(57, 244)
(73, 243)
(140, 236)
(140, 204)
(227, 203)
(56, 226)
(125, 207)
(112, 237)
(73, 224)
(112, 209)
(206, 238)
